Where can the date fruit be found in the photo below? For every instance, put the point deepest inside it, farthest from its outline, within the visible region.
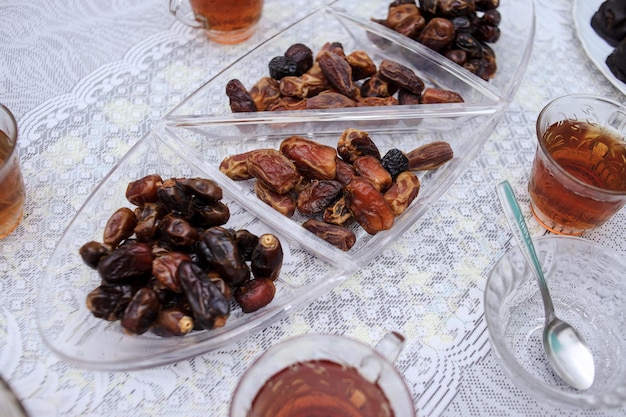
(255, 294)
(368, 206)
(338, 236)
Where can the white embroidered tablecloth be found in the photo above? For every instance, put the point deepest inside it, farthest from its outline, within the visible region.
(86, 79)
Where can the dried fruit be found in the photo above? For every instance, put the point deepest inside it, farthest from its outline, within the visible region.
(395, 162)
(218, 248)
(274, 169)
(337, 213)
(368, 206)
(312, 159)
(239, 97)
(354, 143)
(430, 156)
(318, 195)
(143, 190)
(302, 56)
(337, 236)
(267, 257)
(329, 101)
(282, 66)
(371, 168)
(438, 95)
(235, 167)
(338, 73)
(402, 76)
(209, 306)
(141, 311)
(283, 203)
(108, 302)
(127, 262)
(165, 270)
(361, 64)
(402, 192)
(172, 321)
(255, 294)
(265, 93)
(92, 252)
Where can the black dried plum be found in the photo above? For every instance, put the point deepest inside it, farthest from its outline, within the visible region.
(282, 66)
(395, 162)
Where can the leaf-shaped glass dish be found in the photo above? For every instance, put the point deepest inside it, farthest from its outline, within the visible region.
(192, 141)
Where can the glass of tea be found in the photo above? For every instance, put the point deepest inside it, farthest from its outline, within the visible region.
(325, 375)
(225, 21)
(578, 178)
(12, 193)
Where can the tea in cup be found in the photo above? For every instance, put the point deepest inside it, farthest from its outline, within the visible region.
(12, 194)
(578, 178)
(226, 21)
(324, 375)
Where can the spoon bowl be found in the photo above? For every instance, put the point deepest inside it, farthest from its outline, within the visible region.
(565, 349)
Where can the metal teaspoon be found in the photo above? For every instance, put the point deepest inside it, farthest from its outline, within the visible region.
(566, 350)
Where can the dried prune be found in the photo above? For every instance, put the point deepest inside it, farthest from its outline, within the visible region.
(141, 311)
(395, 162)
(218, 248)
(267, 257)
(209, 306)
(282, 66)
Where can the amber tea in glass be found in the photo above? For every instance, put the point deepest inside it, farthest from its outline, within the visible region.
(226, 21)
(578, 178)
(12, 193)
(320, 388)
(325, 375)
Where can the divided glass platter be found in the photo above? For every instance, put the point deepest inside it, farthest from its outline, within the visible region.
(192, 140)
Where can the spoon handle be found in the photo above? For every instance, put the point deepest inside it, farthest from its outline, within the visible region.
(518, 225)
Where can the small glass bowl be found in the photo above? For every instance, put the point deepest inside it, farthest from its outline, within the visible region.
(588, 285)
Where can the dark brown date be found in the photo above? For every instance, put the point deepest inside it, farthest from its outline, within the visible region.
(345, 171)
(402, 76)
(267, 257)
(218, 248)
(143, 190)
(141, 311)
(338, 236)
(301, 55)
(172, 321)
(209, 215)
(209, 306)
(313, 160)
(317, 195)
(108, 302)
(376, 86)
(338, 73)
(246, 241)
(175, 198)
(368, 206)
(178, 231)
(361, 64)
(204, 188)
(165, 269)
(255, 294)
(274, 169)
(437, 34)
(127, 262)
(92, 252)
(148, 218)
(430, 156)
(240, 99)
(120, 226)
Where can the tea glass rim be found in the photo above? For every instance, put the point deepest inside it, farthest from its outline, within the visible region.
(12, 135)
(548, 155)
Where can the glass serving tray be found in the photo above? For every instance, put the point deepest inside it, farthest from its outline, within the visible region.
(192, 140)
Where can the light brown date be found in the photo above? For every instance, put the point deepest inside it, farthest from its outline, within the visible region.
(274, 169)
(338, 236)
(371, 168)
(368, 206)
(312, 159)
(265, 93)
(329, 100)
(401, 76)
(438, 95)
(361, 64)
(354, 143)
(430, 156)
(402, 192)
(318, 195)
(283, 203)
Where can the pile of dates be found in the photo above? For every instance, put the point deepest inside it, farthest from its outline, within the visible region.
(332, 79)
(459, 29)
(335, 187)
(170, 266)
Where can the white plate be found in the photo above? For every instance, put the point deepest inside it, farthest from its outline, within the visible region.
(596, 48)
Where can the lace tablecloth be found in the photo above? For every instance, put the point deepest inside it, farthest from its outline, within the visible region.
(87, 79)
